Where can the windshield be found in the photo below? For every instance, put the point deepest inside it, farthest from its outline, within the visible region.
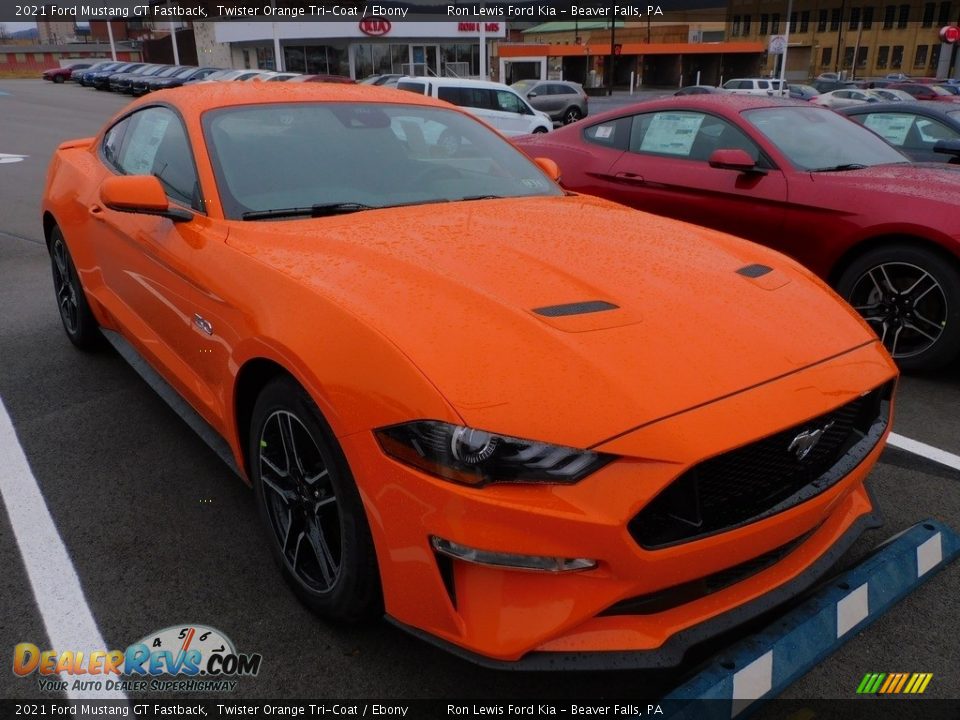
(819, 139)
(299, 155)
(523, 85)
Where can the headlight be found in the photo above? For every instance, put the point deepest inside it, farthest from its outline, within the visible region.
(476, 457)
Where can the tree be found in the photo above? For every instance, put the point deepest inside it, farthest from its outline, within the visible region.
(3, 32)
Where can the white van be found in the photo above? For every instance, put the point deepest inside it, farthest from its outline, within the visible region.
(754, 86)
(495, 103)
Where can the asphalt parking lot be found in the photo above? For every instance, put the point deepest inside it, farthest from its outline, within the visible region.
(160, 533)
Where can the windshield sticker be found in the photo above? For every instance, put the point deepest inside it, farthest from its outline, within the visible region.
(671, 133)
(892, 128)
(144, 143)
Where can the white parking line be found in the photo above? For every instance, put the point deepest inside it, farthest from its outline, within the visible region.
(56, 587)
(923, 450)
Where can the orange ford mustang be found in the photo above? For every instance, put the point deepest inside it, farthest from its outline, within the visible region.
(539, 429)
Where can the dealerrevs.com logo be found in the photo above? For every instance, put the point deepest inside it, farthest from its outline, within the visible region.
(181, 658)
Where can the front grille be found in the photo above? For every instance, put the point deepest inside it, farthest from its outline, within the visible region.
(695, 589)
(765, 477)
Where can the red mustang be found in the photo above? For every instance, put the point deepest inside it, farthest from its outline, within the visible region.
(804, 180)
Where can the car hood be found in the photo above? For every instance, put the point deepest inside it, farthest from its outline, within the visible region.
(457, 287)
(931, 182)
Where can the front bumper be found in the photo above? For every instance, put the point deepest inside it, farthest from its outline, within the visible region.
(528, 620)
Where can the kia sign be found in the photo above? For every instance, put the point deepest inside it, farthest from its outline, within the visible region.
(375, 27)
(950, 34)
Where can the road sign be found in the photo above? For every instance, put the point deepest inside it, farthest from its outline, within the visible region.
(777, 44)
(950, 34)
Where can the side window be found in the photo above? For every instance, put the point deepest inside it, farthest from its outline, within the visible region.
(613, 134)
(931, 131)
(113, 141)
(156, 144)
(746, 85)
(479, 98)
(450, 94)
(415, 87)
(688, 135)
(763, 85)
(508, 102)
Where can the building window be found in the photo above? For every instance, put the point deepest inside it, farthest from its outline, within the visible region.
(889, 13)
(805, 21)
(904, 16)
(854, 18)
(920, 59)
(764, 24)
(944, 17)
(775, 24)
(928, 10)
(836, 15)
(868, 17)
(826, 56)
(316, 60)
(793, 22)
(883, 54)
(21, 57)
(381, 59)
(934, 56)
(896, 58)
(848, 56)
(821, 21)
(862, 57)
(746, 25)
(735, 30)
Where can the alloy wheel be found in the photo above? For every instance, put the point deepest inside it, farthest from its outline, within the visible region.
(65, 287)
(300, 500)
(904, 304)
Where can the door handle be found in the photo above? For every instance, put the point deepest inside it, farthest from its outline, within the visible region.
(96, 211)
(629, 177)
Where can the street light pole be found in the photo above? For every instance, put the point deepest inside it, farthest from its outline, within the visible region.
(613, 49)
(786, 44)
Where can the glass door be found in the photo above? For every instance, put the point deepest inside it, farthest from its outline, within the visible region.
(424, 60)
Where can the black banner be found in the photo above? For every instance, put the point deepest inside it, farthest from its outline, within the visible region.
(867, 708)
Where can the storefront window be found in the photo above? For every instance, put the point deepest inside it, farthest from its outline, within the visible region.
(379, 59)
(316, 59)
(460, 60)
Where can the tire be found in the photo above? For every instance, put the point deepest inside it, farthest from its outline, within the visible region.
(58, 79)
(539, 129)
(911, 297)
(311, 509)
(75, 314)
(571, 115)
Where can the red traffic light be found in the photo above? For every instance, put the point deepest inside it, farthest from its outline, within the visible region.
(950, 34)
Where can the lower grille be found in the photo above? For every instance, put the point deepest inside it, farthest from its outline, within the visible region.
(695, 589)
(764, 477)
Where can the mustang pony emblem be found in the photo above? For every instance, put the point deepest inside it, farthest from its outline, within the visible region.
(806, 441)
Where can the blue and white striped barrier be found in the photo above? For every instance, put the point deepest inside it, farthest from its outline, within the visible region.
(764, 665)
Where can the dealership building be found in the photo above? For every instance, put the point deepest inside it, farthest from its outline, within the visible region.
(354, 49)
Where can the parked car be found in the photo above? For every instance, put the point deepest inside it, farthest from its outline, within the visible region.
(949, 87)
(824, 86)
(845, 98)
(101, 80)
(339, 79)
(565, 102)
(85, 77)
(926, 92)
(493, 102)
(62, 74)
(753, 86)
(138, 82)
(802, 92)
(388, 79)
(234, 75)
(510, 435)
(925, 132)
(889, 95)
(282, 77)
(700, 90)
(797, 177)
(123, 82)
(181, 77)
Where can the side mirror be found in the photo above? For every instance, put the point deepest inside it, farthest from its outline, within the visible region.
(139, 194)
(532, 93)
(733, 159)
(549, 167)
(948, 147)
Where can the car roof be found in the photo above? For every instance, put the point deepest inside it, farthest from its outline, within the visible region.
(199, 99)
(458, 82)
(920, 108)
(717, 102)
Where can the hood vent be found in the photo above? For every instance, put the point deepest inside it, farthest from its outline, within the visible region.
(577, 308)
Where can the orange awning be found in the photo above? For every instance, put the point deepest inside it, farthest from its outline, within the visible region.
(527, 50)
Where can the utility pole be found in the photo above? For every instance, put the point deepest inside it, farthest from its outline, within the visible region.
(783, 58)
(176, 51)
(613, 49)
(836, 60)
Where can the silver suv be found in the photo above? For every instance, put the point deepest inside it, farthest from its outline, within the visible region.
(562, 100)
